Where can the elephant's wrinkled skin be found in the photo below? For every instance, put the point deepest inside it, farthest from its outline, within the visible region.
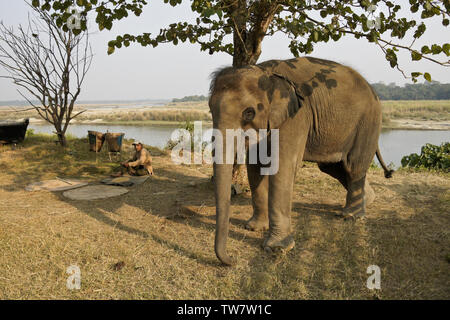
(325, 112)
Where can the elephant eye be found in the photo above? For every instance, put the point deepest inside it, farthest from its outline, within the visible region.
(248, 114)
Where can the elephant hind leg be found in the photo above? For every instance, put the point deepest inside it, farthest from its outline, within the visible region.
(356, 164)
(359, 191)
(355, 205)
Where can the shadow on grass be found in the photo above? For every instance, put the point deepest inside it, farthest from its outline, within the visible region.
(175, 204)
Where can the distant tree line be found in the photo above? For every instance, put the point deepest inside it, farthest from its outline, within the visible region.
(420, 91)
(191, 98)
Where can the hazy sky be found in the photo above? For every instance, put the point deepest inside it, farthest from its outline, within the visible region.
(169, 71)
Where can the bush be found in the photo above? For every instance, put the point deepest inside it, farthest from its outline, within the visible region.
(431, 157)
(29, 133)
(386, 119)
(191, 98)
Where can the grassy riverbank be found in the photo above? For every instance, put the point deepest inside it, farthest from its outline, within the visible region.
(396, 114)
(416, 114)
(432, 110)
(161, 234)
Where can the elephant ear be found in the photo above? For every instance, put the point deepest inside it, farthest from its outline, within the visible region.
(284, 104)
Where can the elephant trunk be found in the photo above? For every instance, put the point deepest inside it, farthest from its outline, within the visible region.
(222, 180)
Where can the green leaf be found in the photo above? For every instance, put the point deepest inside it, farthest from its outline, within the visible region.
(391, 57)
(35, 3)
(436, 49)
(316, 36)
(415, 56)
(309, 25)
(111, 50)
(446, 49)
(425, 50)
(208, 12)
(427, 76)
(59, 22)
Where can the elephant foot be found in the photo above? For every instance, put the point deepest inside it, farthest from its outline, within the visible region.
(255, 224)
(274, 245)
(353, 213)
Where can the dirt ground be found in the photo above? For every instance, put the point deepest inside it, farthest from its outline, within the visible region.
(156, 242)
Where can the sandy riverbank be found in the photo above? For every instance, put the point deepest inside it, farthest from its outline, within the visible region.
(409, 124)
(413, 115)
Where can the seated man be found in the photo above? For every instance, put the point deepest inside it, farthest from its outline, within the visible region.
(140, 165)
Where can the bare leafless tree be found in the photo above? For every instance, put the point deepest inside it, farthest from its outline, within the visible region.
(49, 65)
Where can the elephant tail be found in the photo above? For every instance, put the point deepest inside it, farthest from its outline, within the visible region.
(387, 172)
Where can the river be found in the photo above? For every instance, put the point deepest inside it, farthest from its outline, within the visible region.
(394, 144)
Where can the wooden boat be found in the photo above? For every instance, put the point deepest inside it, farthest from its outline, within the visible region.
(13, 131)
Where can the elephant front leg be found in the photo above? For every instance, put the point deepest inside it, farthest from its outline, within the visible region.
(280, 193)
(280, 196)
(355, 206)
(259, 186)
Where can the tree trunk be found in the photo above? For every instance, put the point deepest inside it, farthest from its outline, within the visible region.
(247, 44)
(61, 135)
(62, 139)
(243, 57)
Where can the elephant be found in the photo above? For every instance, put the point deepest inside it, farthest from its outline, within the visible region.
(325, 112)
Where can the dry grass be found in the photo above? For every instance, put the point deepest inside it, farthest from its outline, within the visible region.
(161, 236)
(153, 115)
(173, 112)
